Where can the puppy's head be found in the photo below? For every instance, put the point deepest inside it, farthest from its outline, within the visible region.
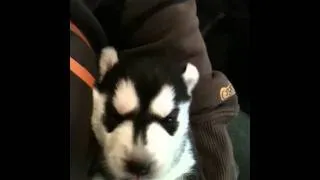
(141, 115)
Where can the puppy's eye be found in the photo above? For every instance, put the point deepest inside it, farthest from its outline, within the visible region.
(172, 116)
(170, 122)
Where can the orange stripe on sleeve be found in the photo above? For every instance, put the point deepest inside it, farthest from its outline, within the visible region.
(82, 72)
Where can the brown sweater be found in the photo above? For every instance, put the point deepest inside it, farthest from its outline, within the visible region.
(169, 29)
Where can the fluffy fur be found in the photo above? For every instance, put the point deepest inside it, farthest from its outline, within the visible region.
(141, 118)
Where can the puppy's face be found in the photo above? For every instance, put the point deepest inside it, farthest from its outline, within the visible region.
(141, 116)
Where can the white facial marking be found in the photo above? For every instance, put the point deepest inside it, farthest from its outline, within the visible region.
(191, 77)
(163, 147)
(125, 98)
(118, 147)
(163, 103)
(108, 59)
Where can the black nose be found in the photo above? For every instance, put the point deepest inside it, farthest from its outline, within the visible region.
(138, 168)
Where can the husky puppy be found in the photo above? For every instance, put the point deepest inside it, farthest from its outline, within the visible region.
(141, 118)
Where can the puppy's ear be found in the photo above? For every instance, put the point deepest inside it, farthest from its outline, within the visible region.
(190, 76)
(108, 59)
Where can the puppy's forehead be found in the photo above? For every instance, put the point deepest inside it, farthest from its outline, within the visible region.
(126, 98)
(144, 87)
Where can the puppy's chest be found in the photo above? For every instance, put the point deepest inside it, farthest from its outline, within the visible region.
(185, 166)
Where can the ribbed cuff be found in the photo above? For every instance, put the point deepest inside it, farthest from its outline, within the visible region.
(215, 152)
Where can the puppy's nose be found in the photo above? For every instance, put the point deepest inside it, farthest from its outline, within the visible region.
(138, 168)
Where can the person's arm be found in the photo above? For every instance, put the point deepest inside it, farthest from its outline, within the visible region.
(169, 29)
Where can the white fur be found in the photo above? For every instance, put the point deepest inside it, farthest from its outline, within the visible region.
(163, 147)
(163, 103)
(191, 77)
(108, 59)
(184, 165)
(125, 99)
(118, 148)
(99, 101)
